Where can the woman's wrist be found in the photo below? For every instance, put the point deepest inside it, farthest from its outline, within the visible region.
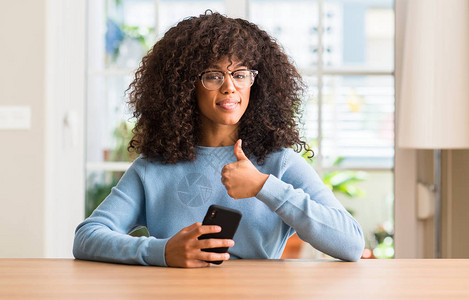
(261, 181)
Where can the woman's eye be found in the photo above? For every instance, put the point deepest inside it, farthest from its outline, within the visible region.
(240, 75)
(213, 76)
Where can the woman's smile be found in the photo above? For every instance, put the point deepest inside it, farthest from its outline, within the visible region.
(228, 104)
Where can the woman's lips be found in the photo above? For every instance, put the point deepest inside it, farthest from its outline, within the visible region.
(228, 105)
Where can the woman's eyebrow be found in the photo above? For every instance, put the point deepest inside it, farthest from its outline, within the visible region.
(234, 66)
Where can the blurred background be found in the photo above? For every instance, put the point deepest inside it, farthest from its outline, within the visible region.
(65, 124)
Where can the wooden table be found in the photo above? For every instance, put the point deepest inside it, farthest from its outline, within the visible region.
(241, 279)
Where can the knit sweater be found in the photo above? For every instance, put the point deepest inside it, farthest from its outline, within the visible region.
(168, 197)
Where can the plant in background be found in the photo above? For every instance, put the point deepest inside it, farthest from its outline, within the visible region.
(384, 237)
(114, 37)
(381, 244)
(98, 189)
(141, 34)
(122, 136)
(344, 181)
(100, 185)
(117, 35)
(341, 181)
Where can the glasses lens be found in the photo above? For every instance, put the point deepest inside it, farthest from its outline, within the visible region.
(243, 78)
(212, 80)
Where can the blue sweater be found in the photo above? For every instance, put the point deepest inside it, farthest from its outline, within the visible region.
(169, 197)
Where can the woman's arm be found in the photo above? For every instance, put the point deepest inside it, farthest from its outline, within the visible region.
(103, 236)
(303, 202)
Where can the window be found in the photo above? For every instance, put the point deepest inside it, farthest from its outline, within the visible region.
(344, 50)
(349, 106)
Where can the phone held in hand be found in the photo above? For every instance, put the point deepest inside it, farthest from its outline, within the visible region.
(228, 219)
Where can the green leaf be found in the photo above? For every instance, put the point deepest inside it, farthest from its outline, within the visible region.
(338, 161)
(140, 231)
(341, 181)
(341, 177)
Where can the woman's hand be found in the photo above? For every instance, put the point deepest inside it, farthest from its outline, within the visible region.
(184, 249)
(241, 179)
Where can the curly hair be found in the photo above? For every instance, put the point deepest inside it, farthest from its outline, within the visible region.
(162, 94)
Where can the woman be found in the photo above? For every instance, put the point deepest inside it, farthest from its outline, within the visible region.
(216, 102)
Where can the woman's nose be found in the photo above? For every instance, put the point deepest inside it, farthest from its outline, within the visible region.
(228, 86)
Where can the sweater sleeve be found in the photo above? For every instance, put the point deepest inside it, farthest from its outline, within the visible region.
(103, 236)
(306, 204)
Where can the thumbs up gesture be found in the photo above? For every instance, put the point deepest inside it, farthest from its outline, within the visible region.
(241, 179)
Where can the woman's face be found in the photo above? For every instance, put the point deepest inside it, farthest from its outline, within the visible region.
(225, 105)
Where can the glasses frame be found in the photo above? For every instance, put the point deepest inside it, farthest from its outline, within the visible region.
(253, 76)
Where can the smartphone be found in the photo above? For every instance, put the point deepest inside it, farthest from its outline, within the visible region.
(228, 219)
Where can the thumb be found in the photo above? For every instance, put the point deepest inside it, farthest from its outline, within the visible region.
(238, 151)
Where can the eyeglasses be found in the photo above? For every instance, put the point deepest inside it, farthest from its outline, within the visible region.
(213, 80)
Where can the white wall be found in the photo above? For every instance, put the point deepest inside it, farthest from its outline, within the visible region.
(22, 73)
(42, 59)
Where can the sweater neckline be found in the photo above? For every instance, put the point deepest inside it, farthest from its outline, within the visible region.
(211, 150)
